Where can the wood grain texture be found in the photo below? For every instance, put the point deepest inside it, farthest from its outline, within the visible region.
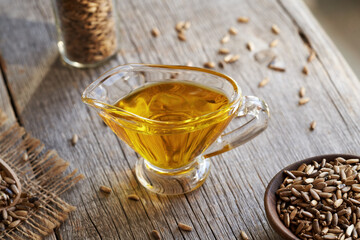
(47, 96)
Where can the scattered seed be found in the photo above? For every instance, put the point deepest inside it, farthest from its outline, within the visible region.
(312, 125)
(231, 58)
(243, 235)
(274, 43)
(275, 29)
(224, 51)
(264, 56)
(179, 26)
(221, 64)
(264, 82)
(155, 32)
(133, 197)
(305, 70)
(243, 19)
(233, 31)
(311, 56)
(277, 65)
(181, 36)
(209, 64)
(250, 46)
(184, 227)
(74, 139)
(25, 157)
(189, 64)
(187, 25)
(302, 92)
(105, 189)
(225, 39)
(155, 234)
(303, 101)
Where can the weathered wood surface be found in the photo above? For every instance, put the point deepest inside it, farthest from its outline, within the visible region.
(47, 97)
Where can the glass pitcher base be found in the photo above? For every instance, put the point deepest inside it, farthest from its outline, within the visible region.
(172, 183)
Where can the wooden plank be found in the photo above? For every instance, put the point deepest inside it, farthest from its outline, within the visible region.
(5, 104)
(48, 96)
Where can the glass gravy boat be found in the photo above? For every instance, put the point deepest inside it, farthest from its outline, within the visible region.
(175, 154)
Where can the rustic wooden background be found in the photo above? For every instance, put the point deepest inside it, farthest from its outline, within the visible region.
(43, 95)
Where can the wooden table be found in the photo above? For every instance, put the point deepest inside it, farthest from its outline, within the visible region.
(44, 96)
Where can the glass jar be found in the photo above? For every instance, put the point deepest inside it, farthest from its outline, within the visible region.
(87, 33)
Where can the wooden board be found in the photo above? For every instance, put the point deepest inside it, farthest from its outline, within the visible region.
(47, 96)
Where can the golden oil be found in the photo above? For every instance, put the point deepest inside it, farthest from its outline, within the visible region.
(176, 121)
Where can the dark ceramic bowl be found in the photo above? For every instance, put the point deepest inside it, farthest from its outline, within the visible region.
(270, 197)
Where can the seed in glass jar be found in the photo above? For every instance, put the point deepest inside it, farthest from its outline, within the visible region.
(225, 39)
(264, 82)
(275, 29)
(250, 46)
(155, 234)
(74, 139)
(155, 32)
(133, 197)
(243, 19)
(303, 101)
(312, 125)
(209, 64)
(305, 70)
(224, 51)
(184, 227)
(274, 43)
(233, 31)
(105, 189)
(243, 235)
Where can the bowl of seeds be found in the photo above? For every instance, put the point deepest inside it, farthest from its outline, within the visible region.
(10, 187)
(316, 198)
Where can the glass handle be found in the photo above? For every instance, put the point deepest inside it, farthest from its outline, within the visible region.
(256, 112)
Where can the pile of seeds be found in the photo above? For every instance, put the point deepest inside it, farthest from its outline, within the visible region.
(322, 200)
(8, 189)
(88, 29)
(12, 216)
